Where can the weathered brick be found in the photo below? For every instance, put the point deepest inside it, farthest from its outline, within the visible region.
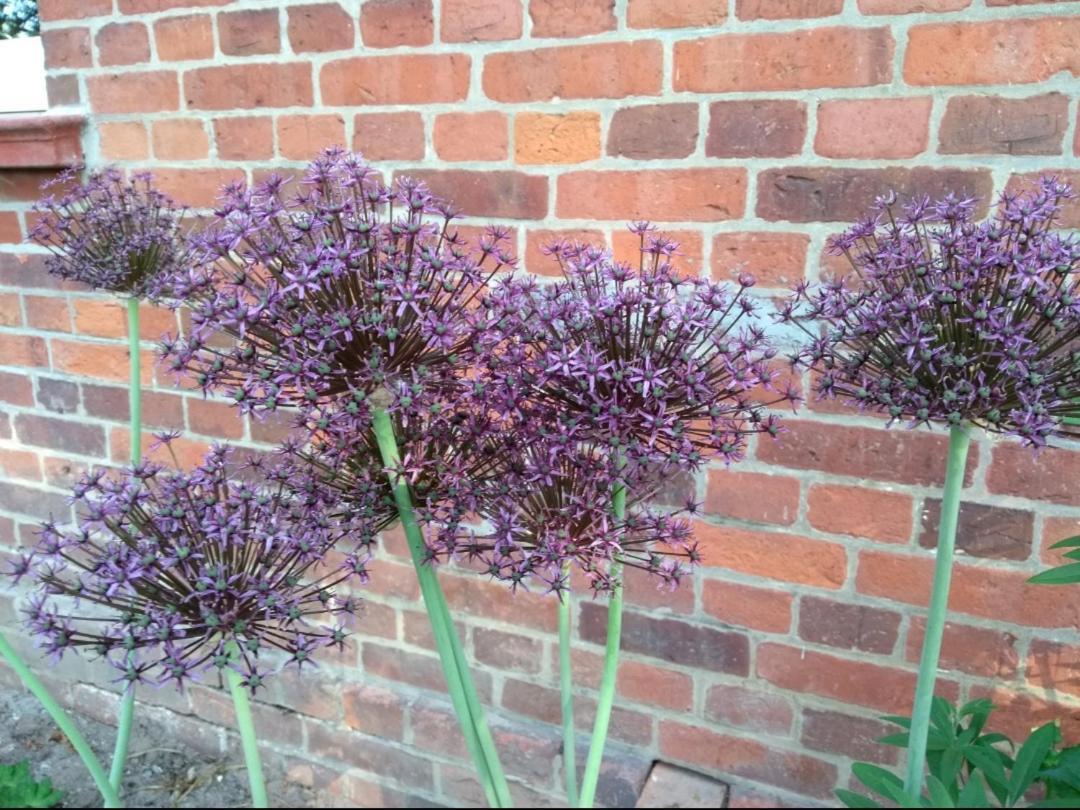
(159, 410)
(556, 138)
(774, 555)
(910, 6)
(180, 139)
(1011, 51)
(873, 127)
(791, 9)
(249, 33)
(374, 711)
(150, 6)
(795, 60)
(40, 504)
(389, 136)
(603, 70)
(300, 137)
(828, 194)
(60, 434)
(704, 195)
(67, 47)
(320, 27)
(489, 193)
(653, 131)
(862, 512)
(545, 704)
(749, 709)
(755, 128)
(134, 92)
(983, 125)
(848, 626)
(471, 136)
(1015, 470)
(480, 20)
(640, 589)
(774, 259)
(390, 23)
(58, 396)
(571, 18)
(21, 464)
(983, 530)
(855, 737)
(1016, 714)
(508, 650)
(671, 640)
(23, 350)
(752, 496)
(122, 44)
(369, 754)
(659, 686)
(974, 650)
(228, 87)
(245, 138)
(745, 606)
(408, 79)
(676, 13)
(182, 38)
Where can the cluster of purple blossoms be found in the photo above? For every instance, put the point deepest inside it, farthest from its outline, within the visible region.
(170, 574)
(112, 233)
(326, 296)
(949, 320)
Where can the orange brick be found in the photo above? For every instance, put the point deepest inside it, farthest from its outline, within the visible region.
(189, 452)
(994, 52)
(409, 79)
(661, 195)
(197, 188)
(773, 259)
(48, 312)
(244, 138)
(774, 555)
(180, 139)
(751, 496)
(134, 92)
(122, 44)
(745, 606)
(656, 685)
(321, 27)
(390, 23)
(790, 9)
(22, 350)
(537, 261)
(676, 13)
(100, 318)
(123, 140)
(873, 128)
(910, 6)
(480, 20)
(626, 247)
(181, 38)
(10, 310)
(101, 361)
(571, 18)
(389, 136)
(471, 136)
(10, 233)
(217, 419)
(242, 87)
(300, 137)
(870, 513)
(249, 33)
(551, 138)
(796, 60)
(67, 48)
(607, 70)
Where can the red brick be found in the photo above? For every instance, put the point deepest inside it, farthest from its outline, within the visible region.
(746, 606)
(420, 670)
(973, 650)
(1003, 596)
(16, 389)
(856, 682)
(122, 44)
(861, 512)
(848, 626)
(389, 136)
(19, 464)
(244, 138)
(390, 23)
(774, 259)
(747, 758)
(571, 18)
(1055, 529)
(97, 360)
(773, 555)
(34, 502)
(182, 38)
(512, 195)
(545, 705)
(829, 194)
(791, 9)
(983, 125)
(180, 139)
(508, 650)
(374, 711)
(658, 686)
(536, 241)
(676, 13)
(910, 6)
(752, 496)
(48, 313)
(198, 188)
(249, 33)
(369, 754)
(873, 127)
(796, 60)
(480, 20)
(159, 410)
(10, 310)
(301, 137)
(626, 247)
(217, 419)
(983, 531)
(1017, 714)
(1053, 666)
(10, 233)
(134, 92)
(643, 590)
(67, 48)
(98, 317)
(755, 129)
(654, 131)
(74, 9)
(123, 140)
(320, 27)
(479, 597)
(701, 195)
(141, 6)
(471, 136)
(409, 79)
(228, 87)
(602, 70)
(749, 709)
(572, 137)
(1011, 51)
(60, 434)
(855, 737)
(1050, 476)
(1069, 216)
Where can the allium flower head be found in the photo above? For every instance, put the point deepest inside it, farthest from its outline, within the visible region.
(950, 320)
(112, 233)
(329, 294)
(661, 369)
(172, 573)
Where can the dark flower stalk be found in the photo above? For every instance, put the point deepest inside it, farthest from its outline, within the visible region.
(948, 321)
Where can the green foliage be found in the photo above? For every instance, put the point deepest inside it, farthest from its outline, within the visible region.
(18, 788)
(1067, 574)
(970, 768)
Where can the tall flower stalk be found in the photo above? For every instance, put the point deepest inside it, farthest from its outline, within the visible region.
(952, 322)
(346, 301)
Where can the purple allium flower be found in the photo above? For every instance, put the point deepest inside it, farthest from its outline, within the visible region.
(113, 233)
(172, 573)
(950, 320)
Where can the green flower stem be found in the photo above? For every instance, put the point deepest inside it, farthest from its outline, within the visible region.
(566, 685)
(61, 718)
(959, 442)
(248, 741)
(462, 691)
(123, 736)
(611, 667)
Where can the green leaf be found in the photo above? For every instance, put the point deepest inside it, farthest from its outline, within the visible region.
(18, 788)
(1072, 555)
(939, 794)
(899, 740)
(877, 779)
(988, 761)
(951, 763)
(897, 720)
(1065, 773)
(852, 799)
(1068, 542)
(1029, 760)
(1055, 803)
(942, 717)
(1062, 575)
(973, 794)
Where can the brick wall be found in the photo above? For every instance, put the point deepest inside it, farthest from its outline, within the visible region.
(750, 129)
